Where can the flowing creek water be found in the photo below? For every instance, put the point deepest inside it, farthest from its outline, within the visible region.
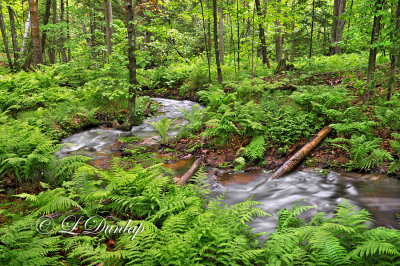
(380, 195)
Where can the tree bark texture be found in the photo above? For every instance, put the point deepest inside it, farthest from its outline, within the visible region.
(215, 15)
(37, 49)
(5, 38)
(339, 7)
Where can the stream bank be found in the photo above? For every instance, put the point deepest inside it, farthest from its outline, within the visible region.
(377, 193)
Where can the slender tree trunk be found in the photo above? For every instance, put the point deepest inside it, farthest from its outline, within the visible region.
(5, 38)
(52, 50)
(252, 44)
(208, 22)
(37, 49)
(340, 25)
(348, 25)
(109, 20)
(179, 53)
(221, 33)
(26, 35)
(293, 49)
(217, 58)
(68, 34)
(232, 42)
(130, 119)
(238, 34)
(394, 57)
(312, 28)
(205, 41)
(45, 22)
(13, 34)
(278, 36)
(339, 7)
(62, 41)
(88, 39)
(261, 31)
(374, 37)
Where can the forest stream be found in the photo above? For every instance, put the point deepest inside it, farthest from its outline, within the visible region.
(377, 194)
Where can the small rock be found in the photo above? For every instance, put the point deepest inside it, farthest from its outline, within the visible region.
(188, 156)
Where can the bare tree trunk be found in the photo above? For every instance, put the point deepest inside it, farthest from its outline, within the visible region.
(26, 35)
(348, 25)
(312, 28)
(261, 17)
(108, 16)
(62, 41)
(339, 7)
(232, 41)
(221, 34)
(45, 22)
(37, 49)
(340, 25)
(28, 60)
(374, 37)
(252, 44)
(293, 48)
(205, 41)
(5, 39)
(88, 39)
(238, 34)
(52, 51)
(394, 53)
(13, 34)
(215, 15)
(130, 119)
(278, 36)
(68, 34)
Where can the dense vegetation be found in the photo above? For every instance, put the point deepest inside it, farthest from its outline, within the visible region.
(270, 74)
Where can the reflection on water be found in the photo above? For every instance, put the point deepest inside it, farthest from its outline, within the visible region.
(180, 167)
(378, 194)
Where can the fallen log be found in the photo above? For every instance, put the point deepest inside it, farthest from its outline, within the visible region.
(185, 178)
(300, 155)
(147, 108)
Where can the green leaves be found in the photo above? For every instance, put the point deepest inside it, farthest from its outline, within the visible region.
(255, 150)
(28, 153)
(365, 153)
(195, 118)
(162, 126)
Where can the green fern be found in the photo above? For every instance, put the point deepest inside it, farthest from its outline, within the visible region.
(255, 150)
(195, 118)
(162, 126)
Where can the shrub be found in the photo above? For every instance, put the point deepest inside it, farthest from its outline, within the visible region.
(323, 101)
(27, 153)
(365, 153)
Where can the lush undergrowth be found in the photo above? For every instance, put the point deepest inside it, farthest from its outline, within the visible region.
(268, 114)
(40, 108)
(276, 113)
(179, 224)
